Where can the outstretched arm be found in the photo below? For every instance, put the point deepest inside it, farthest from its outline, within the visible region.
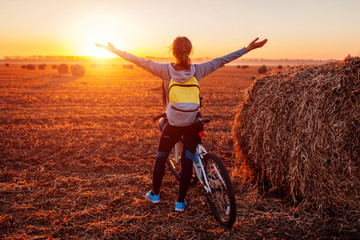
(254, 44)
(211, 66)
(158, 69)
(111, 48)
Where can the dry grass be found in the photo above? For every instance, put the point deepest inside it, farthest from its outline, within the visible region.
(77, 155)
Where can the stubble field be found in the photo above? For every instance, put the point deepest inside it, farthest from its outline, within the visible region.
(77, 156)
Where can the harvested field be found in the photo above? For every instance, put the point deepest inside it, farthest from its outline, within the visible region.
(77, 154)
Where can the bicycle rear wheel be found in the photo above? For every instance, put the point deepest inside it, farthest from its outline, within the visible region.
(221, 199)
(174, 162)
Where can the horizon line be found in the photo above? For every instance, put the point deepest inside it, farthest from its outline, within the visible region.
(85, 57)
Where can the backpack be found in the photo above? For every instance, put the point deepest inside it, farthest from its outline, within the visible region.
(184, 97)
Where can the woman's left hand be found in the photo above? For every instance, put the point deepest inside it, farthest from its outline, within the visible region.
(254, 44)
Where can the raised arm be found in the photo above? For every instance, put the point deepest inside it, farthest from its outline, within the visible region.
(111, 48)
(157, 69)
(206, 68)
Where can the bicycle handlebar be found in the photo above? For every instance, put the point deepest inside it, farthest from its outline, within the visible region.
(204, 120)
(159, 116)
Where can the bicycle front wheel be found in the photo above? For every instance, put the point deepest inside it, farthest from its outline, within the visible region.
(174, 162)
(221, 198)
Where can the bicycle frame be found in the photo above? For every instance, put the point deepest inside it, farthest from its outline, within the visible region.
(198, 166)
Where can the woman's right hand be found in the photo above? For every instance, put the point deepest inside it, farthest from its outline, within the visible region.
(111, 48)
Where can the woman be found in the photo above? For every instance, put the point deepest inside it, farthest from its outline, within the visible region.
(181, 117)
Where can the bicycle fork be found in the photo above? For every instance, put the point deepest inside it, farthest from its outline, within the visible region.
(200, 169)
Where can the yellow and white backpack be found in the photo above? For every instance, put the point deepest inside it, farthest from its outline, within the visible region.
(184, 97)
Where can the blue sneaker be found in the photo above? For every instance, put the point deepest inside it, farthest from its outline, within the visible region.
(180, 206)
(153, 197)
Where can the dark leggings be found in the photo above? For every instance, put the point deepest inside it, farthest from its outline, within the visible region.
(169, 137)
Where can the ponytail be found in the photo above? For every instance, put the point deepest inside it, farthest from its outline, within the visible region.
(182, 48)
(184, 60)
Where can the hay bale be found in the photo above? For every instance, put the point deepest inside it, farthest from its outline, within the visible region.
(30, 67)
(77, 70)
(262, 69)
(42, 66)
(7, 65)
(63, 68)
(298, 134)
(128, 66)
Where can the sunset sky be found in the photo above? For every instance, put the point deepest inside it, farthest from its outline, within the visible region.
(306, 29)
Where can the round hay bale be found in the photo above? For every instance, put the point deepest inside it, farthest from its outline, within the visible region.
(262, 69)
(298, 134)
(63, 68)
(30, 67)
(128, 66)
(77, 70)
(7, 65)
(42, 66)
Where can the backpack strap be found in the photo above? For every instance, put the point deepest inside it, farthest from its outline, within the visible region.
(163, 94)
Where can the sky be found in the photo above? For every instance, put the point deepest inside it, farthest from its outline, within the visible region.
(306, 29)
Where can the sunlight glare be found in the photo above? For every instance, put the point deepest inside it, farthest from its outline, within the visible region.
(102, 37)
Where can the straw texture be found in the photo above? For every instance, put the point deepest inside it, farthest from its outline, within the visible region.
(297, 134)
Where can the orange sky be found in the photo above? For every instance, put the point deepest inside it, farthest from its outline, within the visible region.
(296, 29)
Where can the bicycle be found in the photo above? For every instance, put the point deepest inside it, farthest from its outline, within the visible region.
(212, 175)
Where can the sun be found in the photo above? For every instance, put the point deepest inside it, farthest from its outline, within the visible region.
(102, 37)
